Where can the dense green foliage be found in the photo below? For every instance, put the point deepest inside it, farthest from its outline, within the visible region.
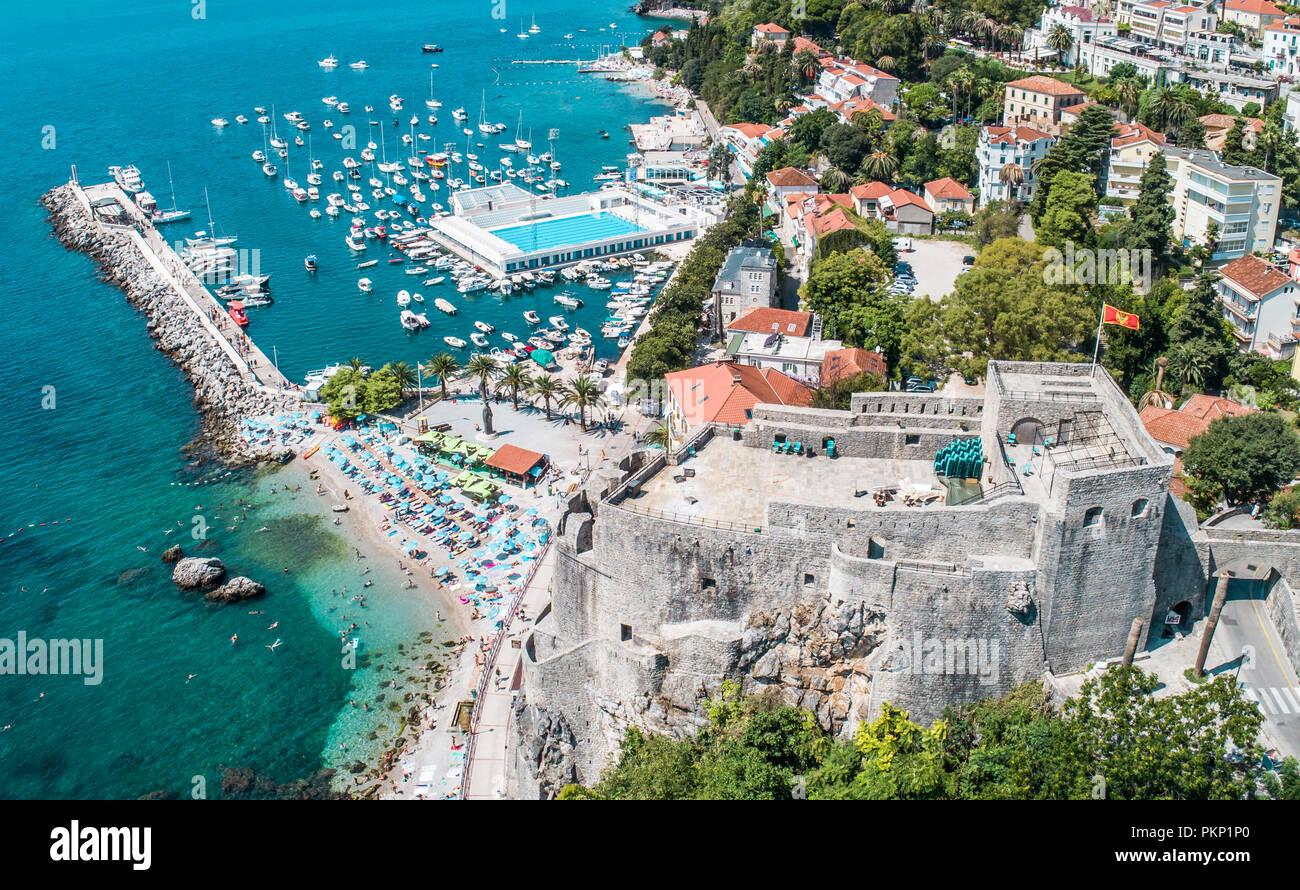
(1115, 740)
(1244, 458)
(350, 393)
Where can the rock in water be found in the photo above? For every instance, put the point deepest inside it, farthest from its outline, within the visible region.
(195, 573)
(236, 589)
(173, 554)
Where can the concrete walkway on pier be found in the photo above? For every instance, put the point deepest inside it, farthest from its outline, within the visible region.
(487, 777)
(211, 313)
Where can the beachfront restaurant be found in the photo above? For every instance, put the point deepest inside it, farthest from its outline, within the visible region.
(517, 465)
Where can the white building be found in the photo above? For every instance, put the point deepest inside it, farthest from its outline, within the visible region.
(1260, 302)
(849, 79)
(999, 146)
(1238, 90)
(1084, 27)
(1131, 149)
(1281, 39)
(780, 340)
(1243, 201)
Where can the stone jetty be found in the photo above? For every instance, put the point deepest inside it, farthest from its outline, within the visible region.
(223, 391)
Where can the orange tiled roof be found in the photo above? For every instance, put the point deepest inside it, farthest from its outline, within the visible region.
(841, 363)
(1009, 135)
(766, 320)
(1039, 83)
(749, 130)
(1171, 427)
(513, 459)
(899, 197)
(948, 188)
(770, 28)
(1213, 407)
(1255, 7)
(723, 391)
(1255, 275)
(1128, 134)
(871, 190)
(790, 176)
(830, 222)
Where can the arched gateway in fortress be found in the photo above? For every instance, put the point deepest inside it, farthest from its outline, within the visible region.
(850, 580)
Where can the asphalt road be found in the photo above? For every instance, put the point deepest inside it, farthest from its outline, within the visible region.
(1266, 675)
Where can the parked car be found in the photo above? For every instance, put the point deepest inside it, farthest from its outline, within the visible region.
(920, 387)
(968, 261)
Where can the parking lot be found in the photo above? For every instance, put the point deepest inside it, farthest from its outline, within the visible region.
(936, 265)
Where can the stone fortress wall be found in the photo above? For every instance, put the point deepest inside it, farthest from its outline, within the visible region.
(842, 609)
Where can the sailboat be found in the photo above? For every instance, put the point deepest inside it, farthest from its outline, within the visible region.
(173, 215)
(483, 126)
(431, 102)
(521, 144)
(533, 29)
(522, 35)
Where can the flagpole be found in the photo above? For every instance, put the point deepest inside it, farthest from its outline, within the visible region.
(1092, 372)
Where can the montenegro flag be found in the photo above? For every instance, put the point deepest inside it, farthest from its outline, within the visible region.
(1111, 315)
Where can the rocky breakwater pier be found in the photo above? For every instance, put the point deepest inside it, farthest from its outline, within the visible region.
(225, 389)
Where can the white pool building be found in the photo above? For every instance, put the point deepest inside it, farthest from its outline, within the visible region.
(505, 229)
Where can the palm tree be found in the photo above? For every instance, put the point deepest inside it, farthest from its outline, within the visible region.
(880, 165)
(404, 374)
(660, 436)
(441, 367)
(886, 63)
(356, 363)
(1060, 39)
(806, 65)
(1012, 175)
(1158, 396)
(512, 379)
(548, 388)
(870, 121)
(484, 367)
(1127, 91)
(582, 393)
(835, 179)
(1269, 139)
(1189, 364)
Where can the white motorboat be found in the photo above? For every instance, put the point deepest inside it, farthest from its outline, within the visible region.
(365, 286)
(558, 322)
(329, 63)
(444, 306)
(484, 327)
(454, 342)
(270, 170)
(509, 337)
(480, 340)
(359, 65)
(531, 317)
(219, 122)
(409, 320)
(430, 282)
(403, 298)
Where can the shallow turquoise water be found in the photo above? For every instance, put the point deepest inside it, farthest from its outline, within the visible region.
(94, 418)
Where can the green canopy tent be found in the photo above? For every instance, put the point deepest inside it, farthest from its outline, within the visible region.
(543, 357)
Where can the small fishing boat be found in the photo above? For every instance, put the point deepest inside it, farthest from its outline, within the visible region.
(364, 285)
(418, 298)
(484, 327)
(403, 298)
(408, 320)
(310, 262)
(367, 264)
(531, 317)
(480, 340)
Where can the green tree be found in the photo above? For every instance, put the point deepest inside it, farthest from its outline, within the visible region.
(512, 379)
(442, 367)
(1151, 216)
(1067, 216)
(404, 374)
(548, 388)
(841, 281)
(1200, 326)
(583, 394)
(1244, 458)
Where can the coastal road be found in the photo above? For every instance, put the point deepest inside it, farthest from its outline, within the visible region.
(1267, 676)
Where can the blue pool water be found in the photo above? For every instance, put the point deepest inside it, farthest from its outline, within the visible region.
(573, 230)
(95, 484)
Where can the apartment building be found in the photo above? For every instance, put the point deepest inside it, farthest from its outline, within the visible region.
(1260, 302)
(999, 146)
(1131, 149)
(1238, 90)
(747, 280)
(1243, 201)
(1037, 101)
(1281, 39)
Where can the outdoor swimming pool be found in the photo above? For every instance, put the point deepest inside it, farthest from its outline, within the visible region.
(548, 234)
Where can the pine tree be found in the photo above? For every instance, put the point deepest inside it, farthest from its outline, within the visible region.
(1081, 150)
(1150, 217)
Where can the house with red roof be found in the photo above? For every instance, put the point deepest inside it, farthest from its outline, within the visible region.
(1252, 15)
(999, 147)
(1218, 126)
(1081, 23)
(769, 32)
(780, 340)
(948, 195)
(1174, 429)
(1037, 101)
(726, 392)
(842, 364)
(1260, 301)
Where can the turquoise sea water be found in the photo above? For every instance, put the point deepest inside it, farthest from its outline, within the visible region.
(94, 418)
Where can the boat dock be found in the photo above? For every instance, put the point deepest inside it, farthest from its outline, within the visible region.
(252, 363)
